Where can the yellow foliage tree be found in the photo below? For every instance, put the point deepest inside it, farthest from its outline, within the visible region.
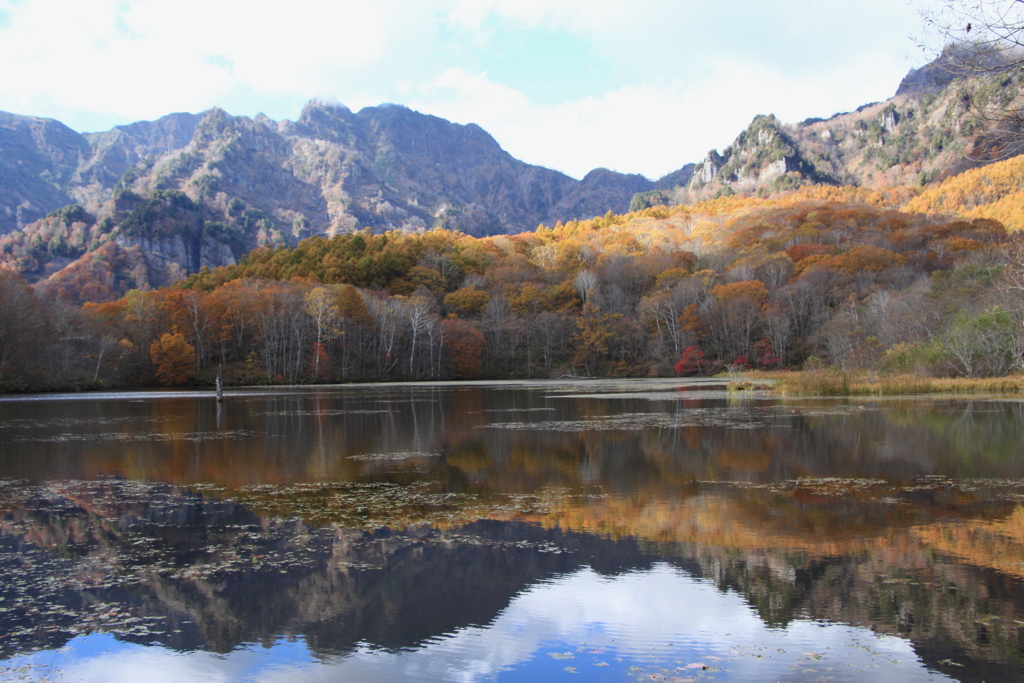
(467, 301)
(995, 191)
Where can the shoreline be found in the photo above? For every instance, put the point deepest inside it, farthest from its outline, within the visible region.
(834, 382)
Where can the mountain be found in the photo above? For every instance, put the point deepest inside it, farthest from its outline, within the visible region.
(145, 204)
(928, 131)
(150, 202)
(38, 158)
(330, 171)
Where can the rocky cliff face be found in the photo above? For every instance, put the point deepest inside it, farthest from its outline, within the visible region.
(169, 259)
(762, 154)
(926, 132)
(331, 170)
(269, 183)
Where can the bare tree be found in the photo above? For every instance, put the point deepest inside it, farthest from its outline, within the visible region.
(1011, 282)
(585, 283)
(419, 319)
(322, 308)
(21, 325)
(980, 39)
(661, 311)
(198, 317)
(283, 328)
(389, 320)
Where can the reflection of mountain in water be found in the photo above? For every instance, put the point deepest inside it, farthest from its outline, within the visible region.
(158, 564)
(218, 576)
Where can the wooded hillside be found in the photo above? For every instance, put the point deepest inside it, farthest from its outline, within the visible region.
(823, 275)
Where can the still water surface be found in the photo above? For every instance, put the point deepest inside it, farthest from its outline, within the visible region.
(577, 531)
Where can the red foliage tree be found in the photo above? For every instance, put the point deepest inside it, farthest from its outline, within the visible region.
(798, 252)
(766, 357)
(691, 362)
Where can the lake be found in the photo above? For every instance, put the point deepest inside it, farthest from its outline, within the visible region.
(605, 530)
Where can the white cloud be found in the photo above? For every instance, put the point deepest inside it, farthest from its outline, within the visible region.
(594, 17)
(651, 128)
(664, 38)
(682, 77)
(150, 57)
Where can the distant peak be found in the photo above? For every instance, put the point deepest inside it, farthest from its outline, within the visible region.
(602, 173)
(390, 109)
(957, 61)
(215, 114)
(319, 104)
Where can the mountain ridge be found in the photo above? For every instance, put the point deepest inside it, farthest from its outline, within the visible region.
(928, 131)
(167, 197)
(387, 167)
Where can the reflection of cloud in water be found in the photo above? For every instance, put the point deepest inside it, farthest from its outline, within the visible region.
(96, 659)
(653, 620)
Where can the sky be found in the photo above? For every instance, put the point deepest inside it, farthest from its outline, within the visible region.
(637, 86)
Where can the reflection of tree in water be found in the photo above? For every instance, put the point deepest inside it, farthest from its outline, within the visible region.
(158, 564)
(946, 609)
(630, 442)
(939, 563)
(832, 438)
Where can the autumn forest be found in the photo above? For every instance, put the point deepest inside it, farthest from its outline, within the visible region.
(900, 281)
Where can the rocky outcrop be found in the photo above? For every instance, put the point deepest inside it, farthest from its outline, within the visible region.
(330, 171)
(764, 155)
(955, 62)
(677, 178)
(169, 259)
(115, 151)
(153, 188)
(707, 170)
(923, 133)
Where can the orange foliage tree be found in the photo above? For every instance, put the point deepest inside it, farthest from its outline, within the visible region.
(173, 357)
(465, 344)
